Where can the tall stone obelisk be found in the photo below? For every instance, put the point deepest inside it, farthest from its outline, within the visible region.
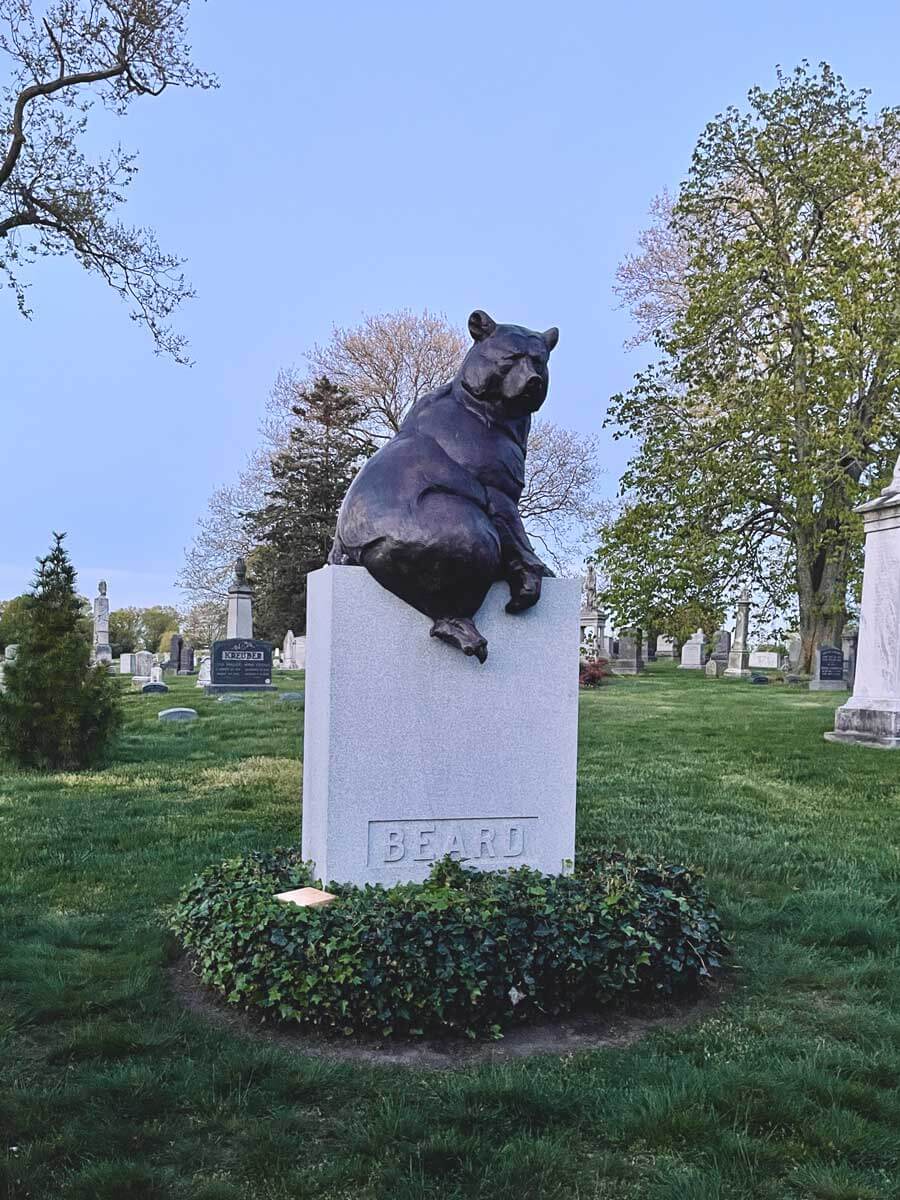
(739, 656)
(871, 716)
(102, 651)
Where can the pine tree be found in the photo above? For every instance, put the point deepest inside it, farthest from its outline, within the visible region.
(295, 528)
(57, 711)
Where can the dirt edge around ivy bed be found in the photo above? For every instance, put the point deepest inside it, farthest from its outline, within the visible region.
(615, 1028)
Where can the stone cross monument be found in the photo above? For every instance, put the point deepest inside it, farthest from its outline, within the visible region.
(240, 604)
(739, 656)
(102, 652)
(871, 716)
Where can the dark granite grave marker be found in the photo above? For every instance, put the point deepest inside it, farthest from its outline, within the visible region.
(241, 665)
(828, 675)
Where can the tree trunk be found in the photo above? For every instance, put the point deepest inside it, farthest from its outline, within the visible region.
(822, 593)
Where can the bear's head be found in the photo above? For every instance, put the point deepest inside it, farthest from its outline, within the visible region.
(506, 368)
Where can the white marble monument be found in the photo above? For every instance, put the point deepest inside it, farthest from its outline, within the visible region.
(871, 717)
(766, 660)
(413, 751)
(205, 675)
(693, 652)
(293, 652)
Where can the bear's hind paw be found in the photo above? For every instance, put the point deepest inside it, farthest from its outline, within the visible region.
(461, 632)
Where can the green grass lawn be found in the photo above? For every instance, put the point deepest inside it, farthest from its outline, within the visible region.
(110, 1091)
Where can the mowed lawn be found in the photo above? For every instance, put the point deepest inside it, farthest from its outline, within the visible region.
(791, 1088)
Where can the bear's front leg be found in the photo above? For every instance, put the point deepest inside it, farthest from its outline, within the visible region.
(522, 569)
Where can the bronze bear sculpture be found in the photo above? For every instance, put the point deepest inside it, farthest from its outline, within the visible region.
(433, 515)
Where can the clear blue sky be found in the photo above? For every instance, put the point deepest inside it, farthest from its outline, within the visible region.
(361, 158)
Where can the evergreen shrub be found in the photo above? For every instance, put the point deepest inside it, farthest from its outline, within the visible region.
(56, 710)
(466, 952)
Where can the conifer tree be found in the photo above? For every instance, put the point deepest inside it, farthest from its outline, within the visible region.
(295, 528)
(57, 710)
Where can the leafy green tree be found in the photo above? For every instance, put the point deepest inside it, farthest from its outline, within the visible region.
(677, 589)
(294, 529)
(57, 711)
(776, 406)
(159, 623)
(13, 617)
(126, 630)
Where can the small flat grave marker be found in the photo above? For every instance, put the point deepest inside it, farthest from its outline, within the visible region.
(178, 714)
(306, 897)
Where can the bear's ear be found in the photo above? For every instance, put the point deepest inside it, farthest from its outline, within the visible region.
(551, 337)
(481, 325)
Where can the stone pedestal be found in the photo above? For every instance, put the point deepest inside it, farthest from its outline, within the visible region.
(413, 751)
(871, 716)
(240, 611)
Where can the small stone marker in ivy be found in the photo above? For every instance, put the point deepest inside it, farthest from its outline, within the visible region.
(305, 897)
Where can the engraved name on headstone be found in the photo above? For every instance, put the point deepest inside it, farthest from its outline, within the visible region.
(466, 839)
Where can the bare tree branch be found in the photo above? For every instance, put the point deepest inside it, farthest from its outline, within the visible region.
(83, 51)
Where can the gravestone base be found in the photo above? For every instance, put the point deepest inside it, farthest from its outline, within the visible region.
(827, 685)
(413, 751)
(217, 689)
(867, 725)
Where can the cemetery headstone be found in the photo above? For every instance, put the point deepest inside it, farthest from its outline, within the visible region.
(102, 651)
(293, 656)
(872, 714)
(714, 668)
(721, 647)
(766, 660)
(386, 810)
(387, 788)
(849, 644)
(828, 670)
(693, 652)
(127, 665)
(178, 714)
(665, 646)
(795, 653)
(738, 659)
(628, 659)
(155, 687)
(143, 663)
(291, 698)
(186, 660)
(205, 675)
(240, 665)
